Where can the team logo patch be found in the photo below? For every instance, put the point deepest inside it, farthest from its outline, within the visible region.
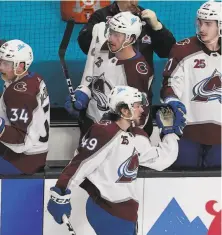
(133, 20)
(128, 170)
(20, 46)
(99, 88)
(120, 90)
(208, 89)
(20, 86)
(183, 42)
(146, 39)
(141, 68)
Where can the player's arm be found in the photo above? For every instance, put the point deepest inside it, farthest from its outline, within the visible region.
(173, 76)
(162, 39)
(82, 93)
(85, 35)
(20, 112)
(162, 156)
(82, 97)
(143, 83)
(173, 83)
(91, 153)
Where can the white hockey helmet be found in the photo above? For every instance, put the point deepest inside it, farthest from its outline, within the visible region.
(127, 23)
(121, 95)
(211, 11)
(17, 52)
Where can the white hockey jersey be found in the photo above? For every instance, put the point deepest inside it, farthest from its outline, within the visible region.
(193, 74)
(109, 158)
(25, 108)
(103, 71)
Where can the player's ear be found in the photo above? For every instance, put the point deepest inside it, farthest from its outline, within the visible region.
(21, 67)
(125, 112)
(132, 38)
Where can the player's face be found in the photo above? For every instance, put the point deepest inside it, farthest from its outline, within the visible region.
(6, 70)
(127, 5)
(115, 40)
(137, 112)
(207, 30)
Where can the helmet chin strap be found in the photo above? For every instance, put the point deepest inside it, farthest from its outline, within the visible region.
(15, 78)
(122, 46)
(206, 43)
(18, 76)
(130, 118)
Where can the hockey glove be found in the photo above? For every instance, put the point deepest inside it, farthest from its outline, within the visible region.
(179, 111)
(82, 96)
(166, 121)
(59, 204)
(150, 16)
(2, 126)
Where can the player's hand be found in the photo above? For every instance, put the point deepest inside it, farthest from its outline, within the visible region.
(59, 204)
(2, 126)
(164, 120)
(82, 96)
(167, 122)
(179, 111)
(69, 107)
(151, 18)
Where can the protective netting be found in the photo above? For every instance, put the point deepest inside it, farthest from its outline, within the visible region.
(39, 24)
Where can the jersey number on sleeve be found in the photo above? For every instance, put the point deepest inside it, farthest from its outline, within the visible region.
(19, 114)
(45, 138)
(90, 144)
(168, 64)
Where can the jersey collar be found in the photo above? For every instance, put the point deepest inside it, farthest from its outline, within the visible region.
(207, 51)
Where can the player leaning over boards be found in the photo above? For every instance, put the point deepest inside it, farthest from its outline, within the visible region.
(155, 37)
(193, 76)
(108, 159)
(24, 112)
(111, 61)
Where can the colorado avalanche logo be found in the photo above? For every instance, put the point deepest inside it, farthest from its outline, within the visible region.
(127, 171)
(98, 87)
(141, 68)
(183, 42)
(20, 86)
(208, 89)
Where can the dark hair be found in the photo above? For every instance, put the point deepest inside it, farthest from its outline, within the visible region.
(111, 116)
(2, 41)
(117, 115)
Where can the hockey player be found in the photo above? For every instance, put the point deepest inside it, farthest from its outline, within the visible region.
(111, 61)
(193, 76)
(24, 112)
(155, 37)
(108, 159)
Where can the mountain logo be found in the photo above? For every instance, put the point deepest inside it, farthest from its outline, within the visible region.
(173, 221)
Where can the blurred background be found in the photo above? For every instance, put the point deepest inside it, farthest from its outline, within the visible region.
(39, 24)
